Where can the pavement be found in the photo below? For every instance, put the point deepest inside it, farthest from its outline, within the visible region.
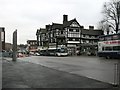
(22, 74)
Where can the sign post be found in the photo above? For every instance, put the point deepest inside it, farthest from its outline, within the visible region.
(14, 45)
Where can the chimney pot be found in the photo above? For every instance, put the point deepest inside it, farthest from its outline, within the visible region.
(91, 27)
(65, 18)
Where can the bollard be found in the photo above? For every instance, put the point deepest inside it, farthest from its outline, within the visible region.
(14, 45)
(116, 75)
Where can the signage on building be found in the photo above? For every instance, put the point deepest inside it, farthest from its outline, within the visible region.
(112, 42)
(71, 45)
(52, 44)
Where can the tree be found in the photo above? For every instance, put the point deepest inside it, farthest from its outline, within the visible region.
(103, 25)
(111, 14)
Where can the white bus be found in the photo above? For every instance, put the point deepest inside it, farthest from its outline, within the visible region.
(54, 52)
(109, 46)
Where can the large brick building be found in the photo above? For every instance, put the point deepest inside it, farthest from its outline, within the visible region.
(69, 34)
(32, 45)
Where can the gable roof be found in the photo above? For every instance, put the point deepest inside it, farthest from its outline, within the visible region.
(68, 23)
(57, 26)
(43, 30)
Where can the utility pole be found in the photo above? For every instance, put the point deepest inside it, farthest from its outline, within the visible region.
(14, 45)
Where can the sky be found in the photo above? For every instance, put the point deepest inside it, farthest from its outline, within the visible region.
(29, 15)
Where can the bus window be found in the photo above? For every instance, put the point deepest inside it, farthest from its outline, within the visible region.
(108, 48)
(101, 38)
(119, 36)
(108, 38)
(115, 37)
(116, 48)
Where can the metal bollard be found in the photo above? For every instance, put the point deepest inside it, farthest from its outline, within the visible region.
(116, 75)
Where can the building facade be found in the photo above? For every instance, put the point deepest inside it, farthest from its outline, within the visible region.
(89, 40)
(8, 46)
(69, 34)
(32, 45)
(2, 35)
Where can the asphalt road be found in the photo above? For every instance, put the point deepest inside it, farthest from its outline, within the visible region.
(26, 75)
(88, 66)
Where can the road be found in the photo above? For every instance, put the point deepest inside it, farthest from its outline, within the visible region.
(88, 66)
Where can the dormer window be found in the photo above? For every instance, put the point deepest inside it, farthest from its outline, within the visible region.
(74, 24)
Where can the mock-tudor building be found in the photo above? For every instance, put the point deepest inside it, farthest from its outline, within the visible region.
(69, 34)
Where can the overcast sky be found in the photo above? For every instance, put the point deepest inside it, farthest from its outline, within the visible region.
(29, 15)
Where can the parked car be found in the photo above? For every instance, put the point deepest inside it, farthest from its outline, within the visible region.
(91, 53)
(6, 53)
(20, 55)
(37, 54)
(32, 53)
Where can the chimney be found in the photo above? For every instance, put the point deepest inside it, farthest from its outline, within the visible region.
(82, 27)
(48, 26)
(91, 27)
(65, 18)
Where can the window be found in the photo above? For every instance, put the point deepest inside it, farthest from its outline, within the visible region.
(77, 30)
(71, 30)
(73, 39)
(101, 38)
(108, 48)
(83, 35)
(115, 37)
(95, 41)
(87, 41)
(76, 39)
(61, 32)
(57, 32)
(87, 36)
(62, 40)
(51, 35)
(92, 36)
(108, 38)
(70, 39)
(84, 41)
(116, 48)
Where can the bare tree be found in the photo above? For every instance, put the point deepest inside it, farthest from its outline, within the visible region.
(111, 12)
